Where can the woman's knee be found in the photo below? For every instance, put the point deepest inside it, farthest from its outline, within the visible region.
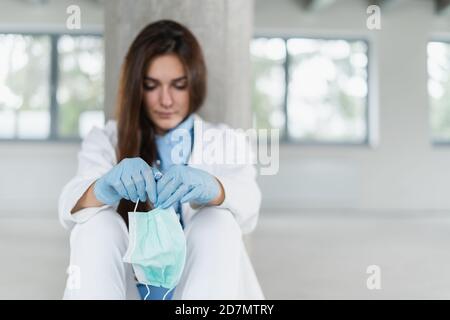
(214, 223)
(97, 247)
(106, 228)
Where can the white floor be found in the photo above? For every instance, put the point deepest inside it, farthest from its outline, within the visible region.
(296, 256)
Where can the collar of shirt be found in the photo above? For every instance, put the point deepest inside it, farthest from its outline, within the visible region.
(165, 143)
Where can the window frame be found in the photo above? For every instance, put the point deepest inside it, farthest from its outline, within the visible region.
(434, 142)
(285, 138)
(53, 82)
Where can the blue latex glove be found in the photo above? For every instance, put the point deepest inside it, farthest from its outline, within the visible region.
(131, 179)
(186, 184)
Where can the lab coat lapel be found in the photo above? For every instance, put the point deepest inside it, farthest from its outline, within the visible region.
(195, 158)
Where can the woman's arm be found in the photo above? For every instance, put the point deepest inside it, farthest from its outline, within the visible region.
(96, 157)
(87, 200)
(131, 178)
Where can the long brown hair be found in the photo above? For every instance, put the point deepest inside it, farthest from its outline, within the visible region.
(136, 133)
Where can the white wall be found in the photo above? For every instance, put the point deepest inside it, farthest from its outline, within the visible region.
(32, 176)
(401, 171)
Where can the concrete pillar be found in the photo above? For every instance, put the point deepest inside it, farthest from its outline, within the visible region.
(224, 29)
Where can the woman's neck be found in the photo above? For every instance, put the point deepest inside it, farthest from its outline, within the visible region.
(160, 132)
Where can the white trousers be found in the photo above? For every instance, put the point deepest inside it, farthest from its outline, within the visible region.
(214, 261)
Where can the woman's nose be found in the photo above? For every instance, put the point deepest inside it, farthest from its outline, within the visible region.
(166, 98)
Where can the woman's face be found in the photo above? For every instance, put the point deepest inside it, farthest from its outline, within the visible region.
(166, 92)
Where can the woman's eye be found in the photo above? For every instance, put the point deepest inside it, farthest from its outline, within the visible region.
(181, 85)
(149, 86)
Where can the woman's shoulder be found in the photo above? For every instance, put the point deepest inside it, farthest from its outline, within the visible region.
(220, 128)
(105, 137)
(111, 131)
(199, 121)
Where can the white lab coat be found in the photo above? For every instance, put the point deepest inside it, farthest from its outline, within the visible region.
(213, 234)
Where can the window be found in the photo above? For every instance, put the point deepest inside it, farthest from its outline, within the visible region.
(268, 94)
(24, 97)
(439, 90)
(315, 90)
(51, 86)
(80, 90)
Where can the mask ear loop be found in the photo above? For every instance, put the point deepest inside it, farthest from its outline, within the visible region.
(165, 295)
(148, 292)
(148, 289)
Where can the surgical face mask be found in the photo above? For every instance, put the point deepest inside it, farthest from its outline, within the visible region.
(157, 247)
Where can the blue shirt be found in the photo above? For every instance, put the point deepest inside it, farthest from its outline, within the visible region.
(180, 137)
(174, 147)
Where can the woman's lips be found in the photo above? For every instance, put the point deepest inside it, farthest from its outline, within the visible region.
(165, 115)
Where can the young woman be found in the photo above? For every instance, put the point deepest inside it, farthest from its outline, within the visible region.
(162, 85)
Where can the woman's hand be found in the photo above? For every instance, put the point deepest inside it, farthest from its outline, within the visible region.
(187, 184)
(131, 179)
